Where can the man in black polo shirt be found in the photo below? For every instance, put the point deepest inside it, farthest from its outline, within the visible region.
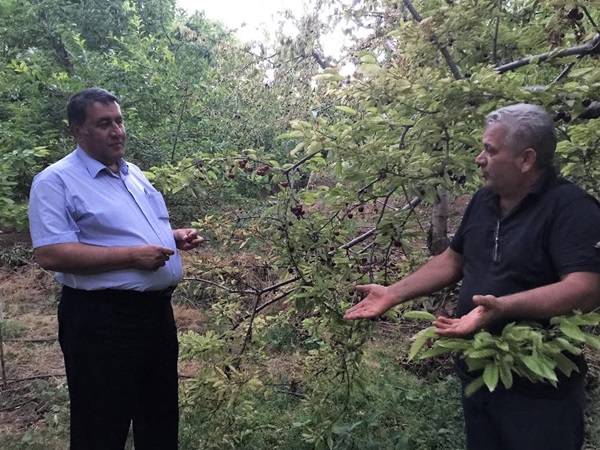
(525, 250)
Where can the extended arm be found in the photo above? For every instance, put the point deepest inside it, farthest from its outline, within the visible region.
(577, 290)
(86, 259)
(437, 273)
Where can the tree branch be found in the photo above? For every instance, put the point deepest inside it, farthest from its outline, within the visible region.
(410, 205)
(442, 48)
(591, 48)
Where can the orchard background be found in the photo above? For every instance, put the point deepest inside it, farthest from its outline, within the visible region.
(304, 181)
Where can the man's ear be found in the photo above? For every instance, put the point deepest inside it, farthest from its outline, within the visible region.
(76, 131)
(529, 158)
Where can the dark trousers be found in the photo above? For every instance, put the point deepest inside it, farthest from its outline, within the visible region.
(120, 350)
(509, 420)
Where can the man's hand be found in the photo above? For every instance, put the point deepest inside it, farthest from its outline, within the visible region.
(375, 303)
(187, 238)
(150, 257)
(488, 310)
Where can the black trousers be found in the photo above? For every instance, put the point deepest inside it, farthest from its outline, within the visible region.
(120, 350)
(512, 420)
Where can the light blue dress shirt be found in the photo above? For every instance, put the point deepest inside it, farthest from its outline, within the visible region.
(78, 199)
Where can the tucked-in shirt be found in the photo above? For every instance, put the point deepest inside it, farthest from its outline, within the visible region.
(78, 199)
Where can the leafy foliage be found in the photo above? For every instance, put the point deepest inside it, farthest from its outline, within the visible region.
(527, 350)
(326, 178)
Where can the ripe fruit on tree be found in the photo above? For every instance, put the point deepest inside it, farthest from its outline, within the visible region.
(297, 210)
(262, 170)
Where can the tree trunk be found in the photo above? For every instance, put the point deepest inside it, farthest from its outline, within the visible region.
(438, 232)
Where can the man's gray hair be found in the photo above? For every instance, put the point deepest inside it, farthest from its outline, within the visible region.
(528, 126)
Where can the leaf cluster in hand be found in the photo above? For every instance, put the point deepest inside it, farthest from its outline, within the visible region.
(525, 349)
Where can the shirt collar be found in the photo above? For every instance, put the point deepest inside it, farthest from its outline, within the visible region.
(541, 185)
(544, 182)
(94, 167)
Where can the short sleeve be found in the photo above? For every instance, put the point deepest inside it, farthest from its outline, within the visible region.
(574, 235)
(50, 214)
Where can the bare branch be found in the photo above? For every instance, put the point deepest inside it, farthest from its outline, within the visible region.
(302, 161)
(589, 17)
(591, 112)
(496, 32)
(442, 48)
(320, 61)
(36, 377)
(565, 71)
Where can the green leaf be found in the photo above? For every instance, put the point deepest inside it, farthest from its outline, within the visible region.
(567, 346)
(422, 315)
(476, 364)
(506, 375)
(572, 331)
(434, 351)
(368, 57)
(479, 354)
(490, 376)
(293, 135)
(454, 343)
(592, 341)
(564, 364)
(419, 341)
(347, 110)
(474, 386)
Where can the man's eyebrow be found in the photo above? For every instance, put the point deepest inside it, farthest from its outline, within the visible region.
(109, 119)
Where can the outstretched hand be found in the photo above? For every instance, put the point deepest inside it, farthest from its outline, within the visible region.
(487, 310)
(378, 301)
(187, 238)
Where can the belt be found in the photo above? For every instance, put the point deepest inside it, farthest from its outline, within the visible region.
(125, 293)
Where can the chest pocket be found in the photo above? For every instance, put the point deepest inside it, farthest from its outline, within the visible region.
(158, 205)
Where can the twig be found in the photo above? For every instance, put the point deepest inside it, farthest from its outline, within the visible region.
(566, 70)
(302, 161)
(264, 305)
(410, 205)
(2, 362)
(34, 340)
(186, 97)
(246, 291)
(249, 330)
(36, 377)
(587, 14)
(8, 408)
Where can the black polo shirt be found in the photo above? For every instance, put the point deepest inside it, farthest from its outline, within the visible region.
(551, 233)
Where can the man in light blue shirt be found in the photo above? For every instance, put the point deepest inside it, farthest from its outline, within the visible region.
(98, 222)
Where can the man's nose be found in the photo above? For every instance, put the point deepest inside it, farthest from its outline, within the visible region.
(480, 160)
(116, 130)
